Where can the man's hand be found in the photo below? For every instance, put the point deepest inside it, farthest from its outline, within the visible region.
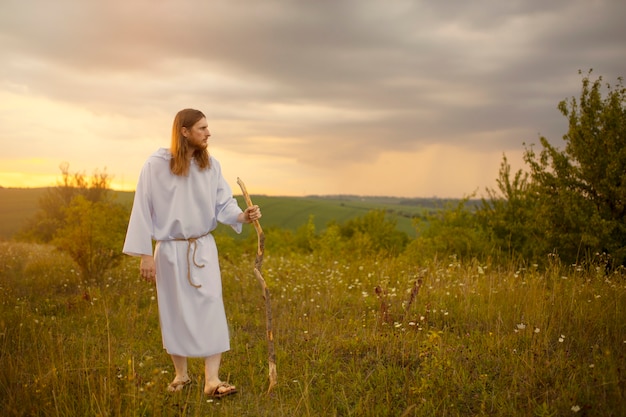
(147, 268)
(250, 214)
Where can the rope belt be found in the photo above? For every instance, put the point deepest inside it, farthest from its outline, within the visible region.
(192, 241)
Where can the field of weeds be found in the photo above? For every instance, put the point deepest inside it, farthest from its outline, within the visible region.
(354, 337)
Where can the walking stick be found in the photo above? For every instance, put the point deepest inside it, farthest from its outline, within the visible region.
(258, 264)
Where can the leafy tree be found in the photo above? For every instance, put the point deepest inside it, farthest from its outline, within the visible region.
(51, 215)
(572, 202)
(92, 235)
(580, 191)
(509, 216)
(79, 217)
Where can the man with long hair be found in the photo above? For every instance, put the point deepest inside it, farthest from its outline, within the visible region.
(181, 195)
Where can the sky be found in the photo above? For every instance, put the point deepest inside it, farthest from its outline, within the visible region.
(406, 98)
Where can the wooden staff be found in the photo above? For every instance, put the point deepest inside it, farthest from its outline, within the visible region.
(258, 264)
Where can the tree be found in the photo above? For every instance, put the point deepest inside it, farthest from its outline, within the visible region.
(572, 202)
(51, 214)
(581, 190)
(92, 235)
(79, 216)
(510, 218)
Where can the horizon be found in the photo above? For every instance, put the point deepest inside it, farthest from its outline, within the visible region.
(237, 193)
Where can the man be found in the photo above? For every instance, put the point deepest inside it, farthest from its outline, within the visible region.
(180, 197)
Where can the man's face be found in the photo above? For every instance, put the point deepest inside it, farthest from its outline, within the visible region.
(198, 135)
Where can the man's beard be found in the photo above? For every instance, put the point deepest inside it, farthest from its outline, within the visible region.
(202, 147)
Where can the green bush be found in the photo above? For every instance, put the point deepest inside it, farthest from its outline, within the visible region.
(454, 230)
(93, 235)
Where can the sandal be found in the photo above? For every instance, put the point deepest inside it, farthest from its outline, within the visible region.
(222, 390)
(178, 384)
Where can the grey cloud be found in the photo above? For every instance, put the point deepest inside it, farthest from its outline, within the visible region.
(420, 72)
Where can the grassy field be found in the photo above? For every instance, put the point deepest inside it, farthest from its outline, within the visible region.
(472, 341)
(18, 204)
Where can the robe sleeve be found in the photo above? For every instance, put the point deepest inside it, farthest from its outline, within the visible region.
(140, 227)
(226, 209)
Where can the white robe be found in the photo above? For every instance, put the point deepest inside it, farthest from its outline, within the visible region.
(168, 207)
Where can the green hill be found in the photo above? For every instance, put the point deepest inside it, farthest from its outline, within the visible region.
(19, 204)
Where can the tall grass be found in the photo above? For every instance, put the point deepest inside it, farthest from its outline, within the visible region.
(474, 341)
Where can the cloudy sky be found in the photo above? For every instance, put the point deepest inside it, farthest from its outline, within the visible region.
(413, 98)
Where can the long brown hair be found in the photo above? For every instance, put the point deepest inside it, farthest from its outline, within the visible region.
(179, 164)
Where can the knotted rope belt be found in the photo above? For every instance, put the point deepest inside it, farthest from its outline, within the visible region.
(192, 241)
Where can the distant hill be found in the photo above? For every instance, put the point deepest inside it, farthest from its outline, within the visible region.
(19, 204)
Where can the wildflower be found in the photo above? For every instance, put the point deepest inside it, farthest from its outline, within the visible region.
(561, 339)
(575, 408)
(521, 326)
(537, 330)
